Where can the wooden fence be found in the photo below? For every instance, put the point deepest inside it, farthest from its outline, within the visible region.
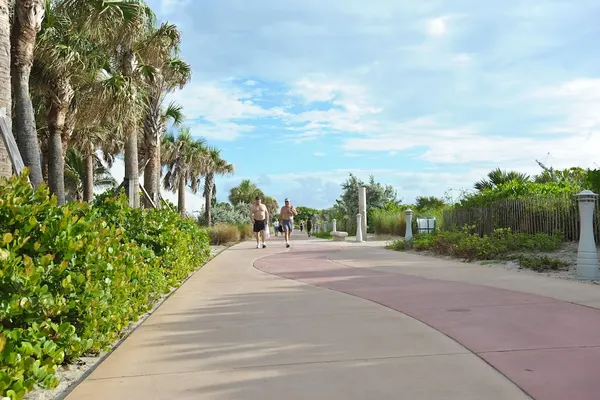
(531, 215)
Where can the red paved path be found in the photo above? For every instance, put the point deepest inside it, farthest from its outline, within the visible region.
(549, 348)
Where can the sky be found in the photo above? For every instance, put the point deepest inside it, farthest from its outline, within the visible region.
(428, 95)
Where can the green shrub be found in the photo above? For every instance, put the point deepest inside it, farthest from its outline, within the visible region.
(322, 235)
(73, 277)
(466, 245)
(398, 245)
(542, 263)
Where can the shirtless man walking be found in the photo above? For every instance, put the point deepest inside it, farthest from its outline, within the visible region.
(286, 217)
(259, 215)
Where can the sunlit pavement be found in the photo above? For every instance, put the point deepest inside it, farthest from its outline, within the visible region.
(326, 320)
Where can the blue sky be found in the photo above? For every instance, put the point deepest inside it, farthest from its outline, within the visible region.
(426, 95)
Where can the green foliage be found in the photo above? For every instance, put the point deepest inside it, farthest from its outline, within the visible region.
(466, 245)
(498, 177)
(73, 277)
(245, 192)
(221, 234)
(542, 263)
(305, 213)
(225, 213)
(428, 203)
(515, 189)
(322, 235)
(398, 245)
(388, 222)
(378, 197)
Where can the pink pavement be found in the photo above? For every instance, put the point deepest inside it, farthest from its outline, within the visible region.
(549, 348)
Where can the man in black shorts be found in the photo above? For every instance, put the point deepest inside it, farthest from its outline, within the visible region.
(259, 215)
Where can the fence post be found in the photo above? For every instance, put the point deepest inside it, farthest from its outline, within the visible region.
(409, 234)
(587, 255)
(359, 237)
(334, 225)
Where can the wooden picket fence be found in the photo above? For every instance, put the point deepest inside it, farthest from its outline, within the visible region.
(530, 215)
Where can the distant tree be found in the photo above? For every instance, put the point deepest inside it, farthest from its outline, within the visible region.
(498, 177)
(271, 204)
(378, 196)
(428, 202)
(305, 213)
(245, 192)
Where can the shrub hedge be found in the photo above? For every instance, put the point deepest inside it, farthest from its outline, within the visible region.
(73, 277)
(466, 245)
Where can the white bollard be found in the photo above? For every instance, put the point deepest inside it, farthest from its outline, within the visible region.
(359, 237)
(409, 234)
(334, 225)
(587, 255)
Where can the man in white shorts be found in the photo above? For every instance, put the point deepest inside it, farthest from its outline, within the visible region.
(286, 218)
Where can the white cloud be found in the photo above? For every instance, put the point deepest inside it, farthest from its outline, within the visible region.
(217, 108)
(436, 27)
(319, 154)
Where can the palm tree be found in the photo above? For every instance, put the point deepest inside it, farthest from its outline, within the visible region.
(215, 166)
(27, 22)
(163, 72)
(498, 177)
(245, 192)
(76, 174)
(5, 87)
(186, 161)
(150, 154)
(131, 20)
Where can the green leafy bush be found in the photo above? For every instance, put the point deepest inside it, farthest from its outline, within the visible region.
(73, 277)
(542, 263)
(322, 235)
(466, 245)
(398, 245)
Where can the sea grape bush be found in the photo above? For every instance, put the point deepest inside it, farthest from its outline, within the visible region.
(73, 277)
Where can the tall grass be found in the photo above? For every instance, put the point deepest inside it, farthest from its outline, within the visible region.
(388, 222)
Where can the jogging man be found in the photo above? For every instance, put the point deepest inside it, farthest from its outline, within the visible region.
(259, 215)
(286, 218)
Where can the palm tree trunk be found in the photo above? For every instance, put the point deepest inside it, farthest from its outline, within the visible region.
(56, 165)
(56, 125)
(5, 89)
(27, 23)
(131, 165)
(88, 184)
(181, 196)
(208, 194)
(152, 131)
(44, 146)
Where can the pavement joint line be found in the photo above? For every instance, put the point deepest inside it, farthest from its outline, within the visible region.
(539, 349)
(264, 366)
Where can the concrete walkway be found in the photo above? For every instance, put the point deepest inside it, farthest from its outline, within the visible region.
(288, 329)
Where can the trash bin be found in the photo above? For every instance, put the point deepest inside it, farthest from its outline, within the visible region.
(426, 225)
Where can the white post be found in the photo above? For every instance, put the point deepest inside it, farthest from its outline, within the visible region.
(334, 223)
(324, 226)
(359, 237)
(362, 208)
(409, 234)
(587, 255)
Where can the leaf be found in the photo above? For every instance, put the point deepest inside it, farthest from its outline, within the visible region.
(7, 237)
(2, 341)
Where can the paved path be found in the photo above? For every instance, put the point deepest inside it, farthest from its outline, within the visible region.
(234, 331)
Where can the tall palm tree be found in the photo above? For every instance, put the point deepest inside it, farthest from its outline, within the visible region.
(215, 166)
(498, 177)
(163, 72)
(131, 21)
(186, 161)
(27, 21)
(5, 86)
(149, 153)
